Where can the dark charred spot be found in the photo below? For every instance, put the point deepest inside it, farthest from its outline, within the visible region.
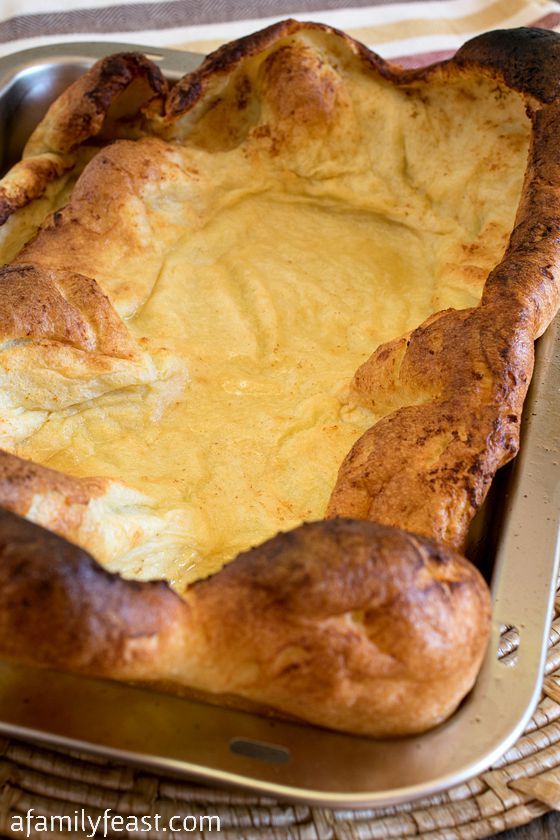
(183, 98)
(243, 93)
(7, 207)
(528, 59)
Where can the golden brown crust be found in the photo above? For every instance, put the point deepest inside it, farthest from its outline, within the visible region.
(330, 616)
(100, 95)
(23, 484)
(106, 222)
(100, 104)
(198, 87)
(60, 306)
(345, 614)
(427, 467)
(350, 624)
(528, 60)
(60, 607)
(527, 280)
(28, 180)
(525, 59)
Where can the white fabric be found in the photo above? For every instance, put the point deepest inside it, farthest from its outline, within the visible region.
(454, 22)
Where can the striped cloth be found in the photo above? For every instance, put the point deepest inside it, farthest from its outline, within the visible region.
(411, 33)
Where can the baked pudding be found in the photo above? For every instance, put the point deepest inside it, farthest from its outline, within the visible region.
(266, 337)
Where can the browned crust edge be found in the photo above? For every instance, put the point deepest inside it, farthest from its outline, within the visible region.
(80, 112)
(77, 116)
(329, 613)
(525, 59)
(322, 597)
(428, 467)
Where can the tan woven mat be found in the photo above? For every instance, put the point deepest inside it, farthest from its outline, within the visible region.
(523, 785)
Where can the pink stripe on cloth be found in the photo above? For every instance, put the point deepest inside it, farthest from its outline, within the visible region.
(548, 21)
(424, 59)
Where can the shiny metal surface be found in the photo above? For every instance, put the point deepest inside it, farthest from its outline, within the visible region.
(516, 535)
(30, 80)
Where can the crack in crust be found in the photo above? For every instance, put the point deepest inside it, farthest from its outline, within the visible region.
(345, 623)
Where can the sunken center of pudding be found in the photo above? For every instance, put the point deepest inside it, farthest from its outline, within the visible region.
(258, 313)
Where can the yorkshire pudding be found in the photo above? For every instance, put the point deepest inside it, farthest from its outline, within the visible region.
(266, 338)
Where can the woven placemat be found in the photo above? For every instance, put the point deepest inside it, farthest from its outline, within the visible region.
(524, 784)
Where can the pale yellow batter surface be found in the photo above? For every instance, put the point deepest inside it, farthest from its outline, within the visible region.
(258, 316)
(246, 437)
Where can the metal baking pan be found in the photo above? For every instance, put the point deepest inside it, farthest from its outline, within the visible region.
(516, 534)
